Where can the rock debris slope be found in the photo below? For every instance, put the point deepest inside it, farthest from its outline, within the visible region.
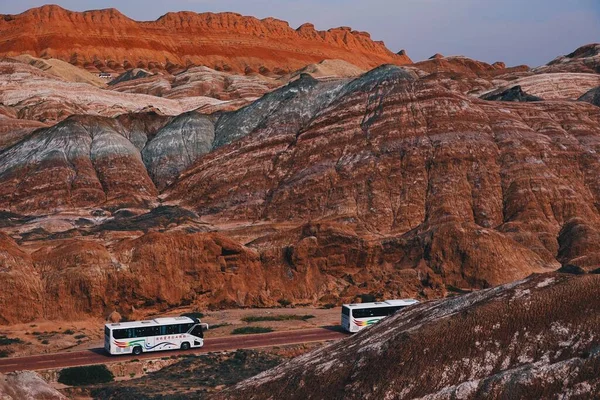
(535, 338)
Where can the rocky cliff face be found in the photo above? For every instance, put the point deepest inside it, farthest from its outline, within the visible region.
(27, 385)
(106, 40)
(396, 156)
(22, 290)
(533, 338)
(399, 182)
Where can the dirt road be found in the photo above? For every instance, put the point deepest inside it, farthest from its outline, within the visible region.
(99, 356)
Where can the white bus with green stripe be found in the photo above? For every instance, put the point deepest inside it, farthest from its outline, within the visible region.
(360, 315)
(157, 334)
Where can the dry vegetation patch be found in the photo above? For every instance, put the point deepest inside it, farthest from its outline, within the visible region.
(283, 317)
(192, 377)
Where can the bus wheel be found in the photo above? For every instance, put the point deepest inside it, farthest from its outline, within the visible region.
(185, 346)
(137, 350)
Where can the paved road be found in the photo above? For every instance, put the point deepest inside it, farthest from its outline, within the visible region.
(99, 356)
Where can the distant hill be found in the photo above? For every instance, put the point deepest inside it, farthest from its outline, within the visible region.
(108, 41)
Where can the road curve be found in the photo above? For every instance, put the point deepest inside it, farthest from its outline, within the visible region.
(99, 356)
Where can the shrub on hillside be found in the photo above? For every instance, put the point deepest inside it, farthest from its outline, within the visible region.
(284, 302)
(5, 341)
(87, 375)
(194, 314)
(250, 330)
(259, 318)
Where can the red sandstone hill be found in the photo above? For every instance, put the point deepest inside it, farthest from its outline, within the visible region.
(107, 40)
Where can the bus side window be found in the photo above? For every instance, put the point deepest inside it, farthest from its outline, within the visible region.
(172, 329)
(123, 333)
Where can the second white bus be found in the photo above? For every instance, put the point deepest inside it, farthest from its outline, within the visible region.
(154, 335)
(358, 316)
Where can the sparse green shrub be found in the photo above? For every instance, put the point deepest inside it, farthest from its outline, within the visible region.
(328, 306)
(215, 326)
(4, 353)
(284, 302)
(149, 303)
(193, 314)
(69, 332)
(88, 375)
(45, 341)
(251, 330)
(80, 336)
(259, 318)
(5, 341)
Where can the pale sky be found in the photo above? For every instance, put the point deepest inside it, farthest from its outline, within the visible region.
(529, 32)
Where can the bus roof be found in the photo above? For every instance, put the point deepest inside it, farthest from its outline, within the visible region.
(151, 322)
(387, 303)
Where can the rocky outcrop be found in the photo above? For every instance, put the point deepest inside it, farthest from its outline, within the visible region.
(62, 70)
(592, 97)
(80, 162)
(203, 81)
(106, 40)
(327, 69)
(534, 336)
(196, 82)
(22, 292)
(177, 146)
(585, 59)
(556, 86)
(515, 93)
(78, 278)
(27, 385)
(132, 74)
(13, 130)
